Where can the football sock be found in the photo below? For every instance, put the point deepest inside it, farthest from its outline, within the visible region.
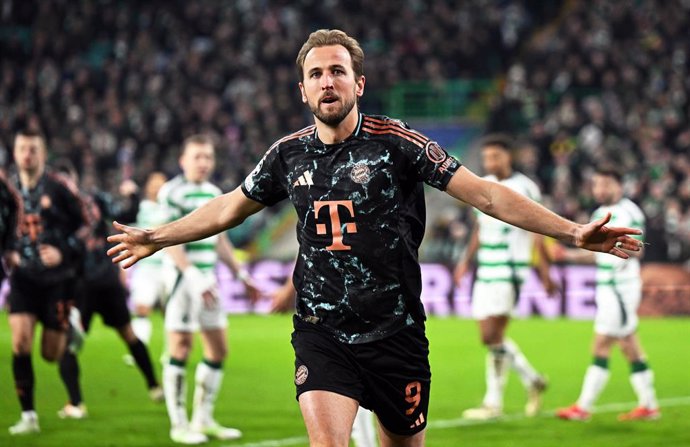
(595, 380)
(175, 391)
(143, 361)
(363, 429)
(497, 364)
(69, 372)
(642, 381)
(208, 377)
(142, 329)
(520, 364)
(23, 371)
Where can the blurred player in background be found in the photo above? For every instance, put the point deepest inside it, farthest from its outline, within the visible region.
(151, 282)
(356, 183)
(504, 255)
(618, 295)
(100, 287)
(43, 262)
(194, 304)
(10, 204)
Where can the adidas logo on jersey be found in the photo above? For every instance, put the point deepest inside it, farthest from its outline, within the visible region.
(304, 180)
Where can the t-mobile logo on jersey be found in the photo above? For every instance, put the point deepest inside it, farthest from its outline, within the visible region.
(336, 227)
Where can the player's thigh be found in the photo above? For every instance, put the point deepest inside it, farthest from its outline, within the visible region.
(492, 299)
(328, 417)
(145, 286)
(182, 310)
(616, 314)
(398, 380)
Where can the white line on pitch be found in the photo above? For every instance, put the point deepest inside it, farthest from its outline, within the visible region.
(450, 423)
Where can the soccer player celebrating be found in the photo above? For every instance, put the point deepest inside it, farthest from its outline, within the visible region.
(43, 261)
(355, 181)
(504, 253)
(194, 302)
(618, 294)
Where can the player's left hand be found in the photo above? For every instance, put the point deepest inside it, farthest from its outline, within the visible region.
(595, 236)
(50, 255)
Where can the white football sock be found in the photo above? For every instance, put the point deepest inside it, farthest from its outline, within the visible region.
(175, 391)
(497, 364)
(142, 329)
(643, 384)
(208, 381)
(528, 375)
(363, 429)
(595, 381)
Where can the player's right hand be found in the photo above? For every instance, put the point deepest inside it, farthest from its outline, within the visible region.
(132, 244)
(459, 273)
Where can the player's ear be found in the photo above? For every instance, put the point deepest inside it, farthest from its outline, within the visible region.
(359, 85)
(301, 89)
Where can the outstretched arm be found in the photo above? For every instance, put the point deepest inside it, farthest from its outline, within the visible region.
(219, 214)
(505, 204)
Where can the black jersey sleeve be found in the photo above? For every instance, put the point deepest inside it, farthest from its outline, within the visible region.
(432, 163)
(266, 183)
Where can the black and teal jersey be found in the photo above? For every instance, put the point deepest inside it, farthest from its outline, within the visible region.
(361, 218)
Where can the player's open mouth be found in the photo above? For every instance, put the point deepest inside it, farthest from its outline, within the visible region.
(329, 99)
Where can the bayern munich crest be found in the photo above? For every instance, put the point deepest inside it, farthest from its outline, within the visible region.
(301, 375)
(435, 153)
(360, 173)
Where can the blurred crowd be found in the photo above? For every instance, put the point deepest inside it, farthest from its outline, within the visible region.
(116, 85)
(608, 81)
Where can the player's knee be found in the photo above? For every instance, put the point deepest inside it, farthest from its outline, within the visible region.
(141, 310)
(21, 345)
(51, 354)
(491, 338)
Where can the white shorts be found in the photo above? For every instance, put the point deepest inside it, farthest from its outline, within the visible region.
(151, 284)
(492, 299)
(187, 312)
(617, 310)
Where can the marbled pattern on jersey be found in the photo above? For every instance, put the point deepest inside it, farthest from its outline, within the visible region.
(361, 217)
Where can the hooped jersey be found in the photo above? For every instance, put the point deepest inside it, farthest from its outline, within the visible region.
(505, 251)
(611, 270)
(181, 197)
(361, 218)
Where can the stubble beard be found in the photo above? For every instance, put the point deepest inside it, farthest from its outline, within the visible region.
(332, 119)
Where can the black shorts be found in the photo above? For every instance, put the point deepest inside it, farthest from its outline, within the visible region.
(50, 303)
(108, 299)
(391, 377)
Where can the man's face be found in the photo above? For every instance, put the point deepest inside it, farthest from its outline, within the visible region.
(197, 162)
(329, 86)
(495, 161)
(29, 153)
(606, 189)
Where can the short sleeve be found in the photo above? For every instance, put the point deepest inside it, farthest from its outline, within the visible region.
(265, 184)
(432, 163)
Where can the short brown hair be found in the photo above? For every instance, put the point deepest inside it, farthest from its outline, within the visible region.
(198, 138)
(501, 140)
(607, 169)
(326, 37)
(31, 133)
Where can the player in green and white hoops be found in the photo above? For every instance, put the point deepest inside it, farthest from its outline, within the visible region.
(194, 303)
(152, 280)
(618, 295)
(504, 255)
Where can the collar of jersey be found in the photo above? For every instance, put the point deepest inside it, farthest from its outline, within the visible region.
(353, 134)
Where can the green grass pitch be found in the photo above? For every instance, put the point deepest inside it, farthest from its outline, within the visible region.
(258, 394)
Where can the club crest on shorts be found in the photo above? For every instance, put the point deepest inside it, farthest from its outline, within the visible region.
(301, 375)
(360, 173)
